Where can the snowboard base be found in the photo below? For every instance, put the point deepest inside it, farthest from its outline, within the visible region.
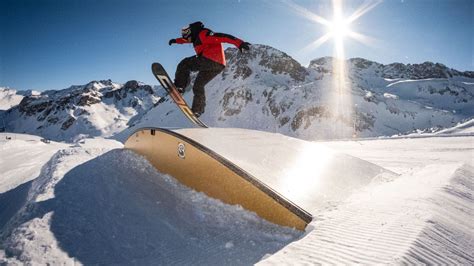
(162, 76)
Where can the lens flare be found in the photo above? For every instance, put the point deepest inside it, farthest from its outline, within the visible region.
(339, 98)
(339, 28)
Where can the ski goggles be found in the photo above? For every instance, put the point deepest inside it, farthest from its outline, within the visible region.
(186, 32)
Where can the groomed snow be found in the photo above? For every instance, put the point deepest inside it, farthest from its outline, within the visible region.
(95, 203)
(418, 219)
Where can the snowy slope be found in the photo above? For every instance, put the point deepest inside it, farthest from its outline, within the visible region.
(446, 94)
(99, 108)
(466, 127)
(266, 89)
(95, 204)
(22, 158)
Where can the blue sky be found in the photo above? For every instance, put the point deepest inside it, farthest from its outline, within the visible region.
(52, 44)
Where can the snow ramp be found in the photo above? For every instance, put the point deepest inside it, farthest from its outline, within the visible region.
(284, 180)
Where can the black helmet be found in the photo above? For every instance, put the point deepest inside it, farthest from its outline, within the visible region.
(186, 32)
(192, 29)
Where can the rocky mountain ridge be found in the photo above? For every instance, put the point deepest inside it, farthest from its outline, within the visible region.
(424, 70)
(99, 108)
(266, 89)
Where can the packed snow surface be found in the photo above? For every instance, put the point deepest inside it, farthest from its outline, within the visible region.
(95, 203)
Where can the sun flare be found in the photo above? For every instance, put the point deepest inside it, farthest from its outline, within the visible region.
(339, 31)
(339, 28)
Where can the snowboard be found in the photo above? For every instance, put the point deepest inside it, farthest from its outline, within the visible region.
(165, 81)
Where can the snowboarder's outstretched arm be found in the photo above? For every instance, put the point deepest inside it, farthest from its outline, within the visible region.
(178, 41)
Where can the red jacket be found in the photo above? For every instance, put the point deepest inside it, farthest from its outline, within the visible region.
(209, 44)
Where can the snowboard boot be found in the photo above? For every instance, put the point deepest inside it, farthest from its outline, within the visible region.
(199, 103)
(180, 90)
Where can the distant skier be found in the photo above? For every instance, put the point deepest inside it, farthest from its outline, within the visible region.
(209, 60)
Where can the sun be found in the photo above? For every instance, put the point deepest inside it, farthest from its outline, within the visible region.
(339, 28)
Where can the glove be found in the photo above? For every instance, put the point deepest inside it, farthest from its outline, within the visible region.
(172, 41)
(244, 46)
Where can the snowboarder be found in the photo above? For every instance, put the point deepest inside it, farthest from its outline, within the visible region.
(209, 60)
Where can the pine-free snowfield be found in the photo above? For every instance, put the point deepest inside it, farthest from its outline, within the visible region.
(94, 203)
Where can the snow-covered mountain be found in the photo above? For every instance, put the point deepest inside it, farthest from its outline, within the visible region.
(266, 89)
(99, 108)
(10, 97)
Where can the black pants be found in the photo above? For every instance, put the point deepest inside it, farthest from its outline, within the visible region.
(207, 68)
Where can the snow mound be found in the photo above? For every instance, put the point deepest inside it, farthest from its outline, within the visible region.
(102, 206)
